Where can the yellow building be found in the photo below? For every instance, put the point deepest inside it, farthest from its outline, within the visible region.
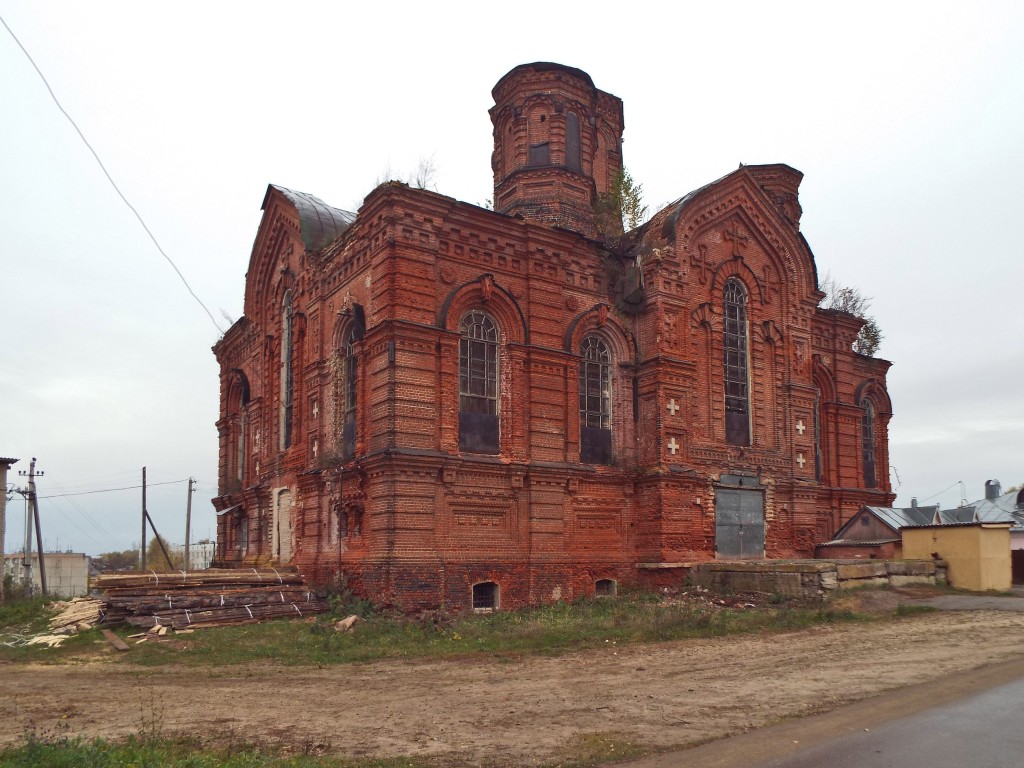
(978, 554)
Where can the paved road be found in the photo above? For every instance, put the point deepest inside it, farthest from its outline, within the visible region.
(982, 730)
(965, 719)
(975, 602)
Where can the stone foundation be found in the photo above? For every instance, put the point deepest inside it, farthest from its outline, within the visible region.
(814, 579)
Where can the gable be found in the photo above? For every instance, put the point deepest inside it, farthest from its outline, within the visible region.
(293, 224)
(747, 221)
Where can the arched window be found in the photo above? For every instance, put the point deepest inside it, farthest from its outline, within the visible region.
(237, 401)
(350, 380)
(819, 459)
(240, 430)
(479, 430)
(737, 383)
(867, 437)
(573, 157)
(287, 372)
(595, 401)
(605, 587)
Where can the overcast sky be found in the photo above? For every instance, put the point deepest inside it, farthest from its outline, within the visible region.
(907, 120)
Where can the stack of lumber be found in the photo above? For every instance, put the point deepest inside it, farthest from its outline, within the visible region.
(78, 614)
(216, 597)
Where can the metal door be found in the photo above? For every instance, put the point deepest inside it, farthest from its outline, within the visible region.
(739, 523)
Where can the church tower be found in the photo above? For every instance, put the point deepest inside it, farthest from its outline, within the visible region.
(557, 145)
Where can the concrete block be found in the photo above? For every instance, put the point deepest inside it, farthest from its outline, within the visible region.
(860, 570)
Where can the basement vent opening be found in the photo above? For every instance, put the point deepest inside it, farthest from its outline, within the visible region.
(485, 596)
(604, 587)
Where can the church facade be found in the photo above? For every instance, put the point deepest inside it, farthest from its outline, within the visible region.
(448, 405)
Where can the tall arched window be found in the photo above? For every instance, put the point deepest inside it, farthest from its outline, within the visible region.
(595, 401)
(478, 384)
(243, 399)
(287, 372)
(819, 459)
(737, 383)
(348, 399)
(573, 156)
(867, 436)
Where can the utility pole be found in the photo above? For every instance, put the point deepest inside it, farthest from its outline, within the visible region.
(188, 521)
(156, 534)
(5, 464)
(32, 511)
(142, 547)
(26, 558)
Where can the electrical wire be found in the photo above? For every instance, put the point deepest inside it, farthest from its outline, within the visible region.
(941, 492)
(109, 177)
(80, 510)
(109, 490)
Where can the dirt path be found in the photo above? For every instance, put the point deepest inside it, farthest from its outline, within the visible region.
(513, 712)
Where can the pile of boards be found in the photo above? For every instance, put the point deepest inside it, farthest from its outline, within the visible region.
(210, 598)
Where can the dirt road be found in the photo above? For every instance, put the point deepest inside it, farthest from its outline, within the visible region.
(513, 712)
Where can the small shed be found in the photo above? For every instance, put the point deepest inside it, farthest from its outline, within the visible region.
(978, 553)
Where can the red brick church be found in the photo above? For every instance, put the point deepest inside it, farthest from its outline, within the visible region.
(450, 405)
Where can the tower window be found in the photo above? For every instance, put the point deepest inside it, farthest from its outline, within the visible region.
(540, 154)
(737, 383)
(573, 159)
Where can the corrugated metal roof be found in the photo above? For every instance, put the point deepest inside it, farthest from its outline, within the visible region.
(896, 517)
(858, 542)
(1001, 509)
(320, 223)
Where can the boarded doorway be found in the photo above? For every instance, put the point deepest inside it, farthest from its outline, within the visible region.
(282, 544)
(739, 523)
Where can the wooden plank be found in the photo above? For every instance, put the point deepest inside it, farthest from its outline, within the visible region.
(115, 641)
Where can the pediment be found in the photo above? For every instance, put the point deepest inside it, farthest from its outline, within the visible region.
(752, 206)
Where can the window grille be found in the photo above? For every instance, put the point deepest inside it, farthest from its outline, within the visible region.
(737, 383)
(485, 596)
(478, 384)
(868, 442)
(348, 424)
(287, 373)
(595, 388)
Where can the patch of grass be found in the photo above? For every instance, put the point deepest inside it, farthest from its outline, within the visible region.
(24, 613)
(175, 753)
(551, 629)
(596, 748)
(914, 610)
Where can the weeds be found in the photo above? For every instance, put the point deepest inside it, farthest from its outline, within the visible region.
(551, 629)
(176, 753)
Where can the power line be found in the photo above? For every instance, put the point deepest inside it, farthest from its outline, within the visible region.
(109, 490)
(109, 177)
(941, 492)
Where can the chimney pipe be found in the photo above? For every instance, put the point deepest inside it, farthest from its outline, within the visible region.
(993, 489)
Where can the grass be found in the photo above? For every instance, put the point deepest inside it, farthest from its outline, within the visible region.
(24, 613)
(552, 630)
(137, 751)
